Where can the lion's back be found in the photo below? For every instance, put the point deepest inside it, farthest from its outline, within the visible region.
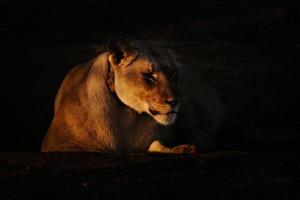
(70, 85)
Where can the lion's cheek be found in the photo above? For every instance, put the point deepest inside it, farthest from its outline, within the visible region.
(130, 97)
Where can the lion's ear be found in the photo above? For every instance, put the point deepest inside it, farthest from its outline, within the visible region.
(119, 48)
(121, 53)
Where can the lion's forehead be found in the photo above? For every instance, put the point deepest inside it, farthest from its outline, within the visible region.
(164, 66)
(156, 55)
(154, 64)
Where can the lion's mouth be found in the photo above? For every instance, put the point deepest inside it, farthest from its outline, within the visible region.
(155, 112)
(166, 118)
(171, 112)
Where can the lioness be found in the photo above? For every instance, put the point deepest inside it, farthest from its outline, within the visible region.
(127, 99)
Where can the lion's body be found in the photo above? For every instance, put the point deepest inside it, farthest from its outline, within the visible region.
(90, 117)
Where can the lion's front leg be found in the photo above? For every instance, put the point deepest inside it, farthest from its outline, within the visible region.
(156, 146)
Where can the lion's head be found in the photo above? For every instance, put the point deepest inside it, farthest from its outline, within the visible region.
(144, 77)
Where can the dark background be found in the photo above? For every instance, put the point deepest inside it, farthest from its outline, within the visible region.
(249, 50)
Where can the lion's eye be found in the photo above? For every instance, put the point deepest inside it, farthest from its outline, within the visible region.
(149, 78)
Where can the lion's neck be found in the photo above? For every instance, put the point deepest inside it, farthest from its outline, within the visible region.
(124, 127)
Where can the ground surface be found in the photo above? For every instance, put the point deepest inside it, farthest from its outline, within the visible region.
(243, 175)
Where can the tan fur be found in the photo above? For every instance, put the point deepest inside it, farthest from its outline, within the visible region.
(158, 147)
(109, 104)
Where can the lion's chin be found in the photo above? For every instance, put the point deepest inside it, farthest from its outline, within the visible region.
(167, 119)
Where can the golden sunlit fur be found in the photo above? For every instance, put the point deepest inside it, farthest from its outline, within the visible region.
(119, 101)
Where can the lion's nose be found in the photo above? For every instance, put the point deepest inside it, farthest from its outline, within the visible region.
(172, 102)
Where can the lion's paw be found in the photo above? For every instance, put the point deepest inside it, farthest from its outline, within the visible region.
(184, 148)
